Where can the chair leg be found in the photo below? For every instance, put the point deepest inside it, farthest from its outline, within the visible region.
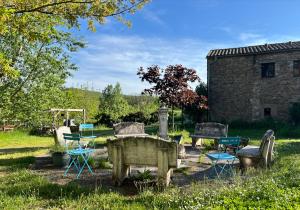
(85, 163)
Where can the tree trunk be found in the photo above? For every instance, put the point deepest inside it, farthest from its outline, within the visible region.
(181, 117)
(173, 123)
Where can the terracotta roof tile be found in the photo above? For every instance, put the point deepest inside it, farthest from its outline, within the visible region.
(258, 49)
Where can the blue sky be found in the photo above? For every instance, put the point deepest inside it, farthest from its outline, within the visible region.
(169, 32)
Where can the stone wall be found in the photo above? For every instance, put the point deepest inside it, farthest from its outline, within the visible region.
(237, 90)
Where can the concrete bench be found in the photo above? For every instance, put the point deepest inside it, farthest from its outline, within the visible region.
(144, 151)
(253, 156)
(127, 129)
(208, 130)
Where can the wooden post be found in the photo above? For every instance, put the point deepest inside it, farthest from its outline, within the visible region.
(67, 119)
(84, 116)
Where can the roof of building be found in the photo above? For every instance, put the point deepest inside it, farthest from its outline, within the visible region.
(253, 50)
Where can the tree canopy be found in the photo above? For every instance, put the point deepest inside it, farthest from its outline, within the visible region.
(42, 20)
(35, 46)
(113, 103)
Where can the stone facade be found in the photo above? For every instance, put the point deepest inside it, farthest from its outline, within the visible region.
(237, 90)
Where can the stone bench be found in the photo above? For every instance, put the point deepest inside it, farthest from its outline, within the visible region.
(208, 130)
(142, 151)
(253, 156)
(127, 129)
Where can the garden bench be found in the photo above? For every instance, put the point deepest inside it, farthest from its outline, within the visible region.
(125, 129)
(145, 151)
(258, 155)
(209, 130)
(8, 127)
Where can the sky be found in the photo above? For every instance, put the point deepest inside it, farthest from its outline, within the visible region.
(168, 32)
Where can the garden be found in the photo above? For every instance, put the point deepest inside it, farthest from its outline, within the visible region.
(27, 188)
(145, 150)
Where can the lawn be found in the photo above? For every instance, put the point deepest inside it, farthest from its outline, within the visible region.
(22, 188)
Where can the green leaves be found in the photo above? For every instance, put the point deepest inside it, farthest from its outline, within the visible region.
(112, 103)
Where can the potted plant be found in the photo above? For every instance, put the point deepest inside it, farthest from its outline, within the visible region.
(60, 158)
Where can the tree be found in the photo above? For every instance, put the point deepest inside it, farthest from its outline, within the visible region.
(112, 103)
(43, 68)
(37, 21)
(35, 46)
(198, 109)
(171, 85)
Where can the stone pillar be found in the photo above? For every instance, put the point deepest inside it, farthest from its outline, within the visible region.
(120, 171)
(163, 171)
(163, 122)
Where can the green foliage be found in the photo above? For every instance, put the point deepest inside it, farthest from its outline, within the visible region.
(57, 149)
(84, 99)
(274, 188)
(113, 103)
(143, 176)
(38, 21)
(143, 103)
(43, 69)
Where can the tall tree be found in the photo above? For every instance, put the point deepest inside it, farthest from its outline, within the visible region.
(171, 85)
(35, 46)
(113, 103)
(52, 17)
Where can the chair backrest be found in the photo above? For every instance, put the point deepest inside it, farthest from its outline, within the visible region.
(234, 141)
(86, 127)
(71, 140)
(211, 129)
(265, 139)
(266, 147)
(129, 128)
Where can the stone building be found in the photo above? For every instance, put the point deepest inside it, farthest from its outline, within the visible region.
(254, 82)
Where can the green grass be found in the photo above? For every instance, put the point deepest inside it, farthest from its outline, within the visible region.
(275, 188)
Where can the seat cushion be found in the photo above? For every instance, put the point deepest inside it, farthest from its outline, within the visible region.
(249, 151)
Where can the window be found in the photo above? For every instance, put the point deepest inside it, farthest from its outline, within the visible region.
(296, 68)
(267, 112)
(267, 70)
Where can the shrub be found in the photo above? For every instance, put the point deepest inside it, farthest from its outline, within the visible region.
(104, 119)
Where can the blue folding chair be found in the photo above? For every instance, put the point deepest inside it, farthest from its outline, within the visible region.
(226, 158)
(87, 131)
(75, 151)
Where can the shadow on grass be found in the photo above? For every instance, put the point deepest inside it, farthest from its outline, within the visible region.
(20, 150)
(17, 163)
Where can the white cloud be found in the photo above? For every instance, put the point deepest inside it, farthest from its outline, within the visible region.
(110, 59)
(249, 36)
(154, 17)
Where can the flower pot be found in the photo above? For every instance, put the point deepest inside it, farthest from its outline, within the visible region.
(60, 159)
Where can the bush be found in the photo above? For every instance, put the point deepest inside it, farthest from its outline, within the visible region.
(135, 117)
(141, 117)
(104, 119)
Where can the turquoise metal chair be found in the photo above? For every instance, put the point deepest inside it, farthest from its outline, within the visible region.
(75, 151)
(87, 128)
(226, 158)
(87, 133)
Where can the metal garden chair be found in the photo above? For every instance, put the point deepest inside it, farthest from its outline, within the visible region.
(87, 132)
(75, 151)
(226, 158)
